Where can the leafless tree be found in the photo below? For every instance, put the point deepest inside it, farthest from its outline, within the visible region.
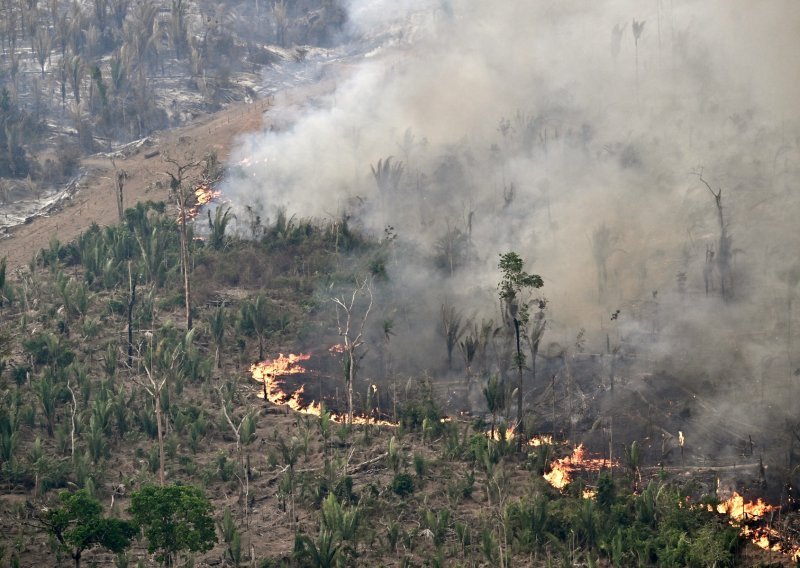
(724, 253)
(42, 44)
(351, 329)
(281, 17)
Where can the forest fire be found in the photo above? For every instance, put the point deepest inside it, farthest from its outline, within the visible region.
(499, 434)
(736, 508)
(204, 194)
(741, 513)
(560, 474)
(337, 349)
(269, 373)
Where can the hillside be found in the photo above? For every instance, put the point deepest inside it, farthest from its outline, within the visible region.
(418, 283)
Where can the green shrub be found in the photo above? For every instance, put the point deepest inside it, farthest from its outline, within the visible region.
(403, 484)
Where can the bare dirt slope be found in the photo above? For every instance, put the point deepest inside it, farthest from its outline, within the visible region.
(94, 202)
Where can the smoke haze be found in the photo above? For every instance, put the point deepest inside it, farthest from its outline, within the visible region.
(546, 129)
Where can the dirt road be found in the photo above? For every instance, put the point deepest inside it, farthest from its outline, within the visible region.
(95, 203)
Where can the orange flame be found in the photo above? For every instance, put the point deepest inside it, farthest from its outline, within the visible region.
(589, 493)
(509, 433)
(560, 474)
(269, 373)
(681, 439)
(203, 195)
(282, 365)
(543, 440)
(737, 509)
(740, 512)
(337, 349)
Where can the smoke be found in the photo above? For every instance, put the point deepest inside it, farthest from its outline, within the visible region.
(546, 129)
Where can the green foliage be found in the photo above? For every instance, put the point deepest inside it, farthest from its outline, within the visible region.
(218, 225)
(420, 465)
(606, 492)
(231, 536)
(403, 484)
(322, 553)
(342, 521)
(527, 523)
(437, 523)
(515, 279)
(173, 519)
(78, 525)
(419, 406)
(393, 455)
(47, 349)
(495, 394)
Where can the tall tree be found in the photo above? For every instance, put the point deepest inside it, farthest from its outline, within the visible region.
(181, 193)
(174, 519)
(78, 525)
(512, 288)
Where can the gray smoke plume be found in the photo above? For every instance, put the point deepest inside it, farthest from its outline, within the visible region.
(591, 138)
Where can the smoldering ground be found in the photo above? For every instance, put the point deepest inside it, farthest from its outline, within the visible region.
(591, 139)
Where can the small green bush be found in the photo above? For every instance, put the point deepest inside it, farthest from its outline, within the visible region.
(403, 484)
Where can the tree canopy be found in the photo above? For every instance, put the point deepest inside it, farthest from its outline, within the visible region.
(174, 518)
(78, 525)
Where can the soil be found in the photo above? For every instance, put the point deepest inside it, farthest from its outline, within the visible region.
(94, 202)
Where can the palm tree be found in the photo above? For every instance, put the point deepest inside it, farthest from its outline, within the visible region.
(324, 553)
(495, 394)
(255, 318)
(451, 329)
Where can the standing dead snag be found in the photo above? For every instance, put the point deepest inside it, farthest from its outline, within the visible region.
(724, 254)
(351, 329)
(131, 303)
(119, 183)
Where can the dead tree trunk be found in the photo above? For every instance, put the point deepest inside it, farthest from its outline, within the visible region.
(352, 333)
(131, 302)
(725, 247)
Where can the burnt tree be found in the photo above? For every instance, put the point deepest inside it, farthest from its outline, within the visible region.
(724, 253)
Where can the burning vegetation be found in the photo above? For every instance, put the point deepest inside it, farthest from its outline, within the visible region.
(203, 194)
(272, 374)
(561, 470)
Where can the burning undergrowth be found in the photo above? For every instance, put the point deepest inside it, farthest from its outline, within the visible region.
(288, 380)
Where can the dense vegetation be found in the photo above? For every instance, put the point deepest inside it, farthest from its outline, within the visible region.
(114, 436)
